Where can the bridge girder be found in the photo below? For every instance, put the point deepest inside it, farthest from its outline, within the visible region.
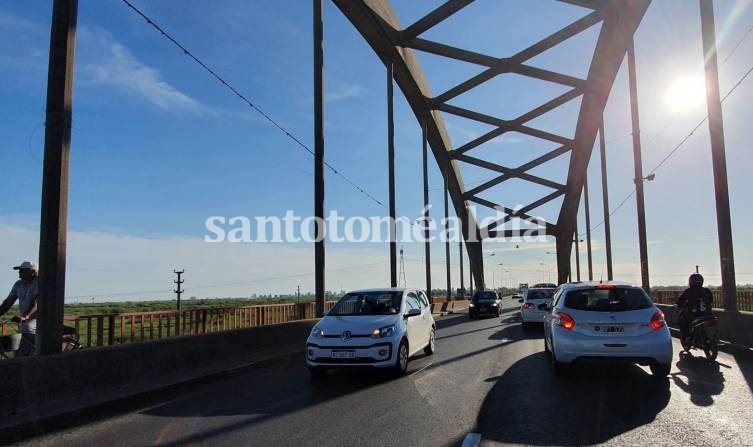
(381, 28)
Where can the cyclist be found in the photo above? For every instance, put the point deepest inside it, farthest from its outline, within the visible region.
(694, 302)
(25, 291)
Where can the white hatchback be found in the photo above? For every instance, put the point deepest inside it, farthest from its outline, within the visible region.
(378, 328)
(532, 299)
(614, 322)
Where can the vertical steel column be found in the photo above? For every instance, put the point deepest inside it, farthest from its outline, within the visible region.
(447, 239)
(605, 199)
(588, 230)
(577, 252)
(57, 148)
(391, 163)
(718, 157)
(319, 158)
(427, 244)
(638, 167)
(460, 258)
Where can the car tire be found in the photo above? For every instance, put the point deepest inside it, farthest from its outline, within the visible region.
(525, 326)
(558, 368)
(660, 370)
(546, 348)
(429, 349)
(401, 360)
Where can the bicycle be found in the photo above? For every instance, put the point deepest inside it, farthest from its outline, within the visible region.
(9, 344)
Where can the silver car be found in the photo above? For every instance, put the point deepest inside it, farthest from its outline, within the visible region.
(614, 322)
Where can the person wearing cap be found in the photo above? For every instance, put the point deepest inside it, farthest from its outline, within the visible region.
(25, 292)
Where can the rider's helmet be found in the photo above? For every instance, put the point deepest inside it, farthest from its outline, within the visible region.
(695, 280)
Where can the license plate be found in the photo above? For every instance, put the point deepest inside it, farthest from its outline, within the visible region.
(609, 329)
(483, 308)
(343, 354)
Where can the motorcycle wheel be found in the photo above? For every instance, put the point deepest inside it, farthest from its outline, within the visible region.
(710, 348)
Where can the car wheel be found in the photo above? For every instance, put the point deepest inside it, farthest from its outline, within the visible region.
(660, 370)
(470, 315)
(558, 368)
(401, 362)
(546, 347)
(524, 326)
(429, 349)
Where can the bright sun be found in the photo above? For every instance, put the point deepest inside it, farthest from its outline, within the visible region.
(686, 93)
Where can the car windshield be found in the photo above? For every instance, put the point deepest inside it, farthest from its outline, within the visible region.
(608, 300)
(540, 294)
(368, 303)
(485, 296)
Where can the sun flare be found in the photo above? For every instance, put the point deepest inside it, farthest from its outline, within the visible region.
(685, 93)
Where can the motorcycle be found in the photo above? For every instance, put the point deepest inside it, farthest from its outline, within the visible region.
(704, 334)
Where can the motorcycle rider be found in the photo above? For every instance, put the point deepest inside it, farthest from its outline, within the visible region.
(694, 302)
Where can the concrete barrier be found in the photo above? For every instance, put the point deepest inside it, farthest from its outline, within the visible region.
(734, 327)
(40, 387)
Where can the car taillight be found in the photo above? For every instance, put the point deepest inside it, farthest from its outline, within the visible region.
(566, 321)
(657, 321)
(527, 306)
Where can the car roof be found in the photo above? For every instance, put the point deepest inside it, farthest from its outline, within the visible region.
(589, 284)
(382, 289)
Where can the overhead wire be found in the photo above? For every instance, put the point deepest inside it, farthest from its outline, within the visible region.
(245, 99)
(687, 137)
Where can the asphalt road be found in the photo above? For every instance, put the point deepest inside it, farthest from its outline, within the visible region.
(487, 377)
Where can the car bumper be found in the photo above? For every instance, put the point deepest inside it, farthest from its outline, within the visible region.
(483, 310)
(376, 354)
(571, 346)
(531, 316)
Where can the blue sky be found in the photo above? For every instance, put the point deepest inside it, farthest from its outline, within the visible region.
(159, 145)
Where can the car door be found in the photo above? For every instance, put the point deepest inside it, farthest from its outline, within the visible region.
(414, 325)
(425, 314)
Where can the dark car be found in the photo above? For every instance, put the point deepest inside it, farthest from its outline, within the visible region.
(485, 302)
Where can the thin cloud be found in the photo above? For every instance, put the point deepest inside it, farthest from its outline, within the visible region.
(352, 91)
(114, 65)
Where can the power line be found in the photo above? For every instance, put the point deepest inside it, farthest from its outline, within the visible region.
(678, 146)
(247, 101)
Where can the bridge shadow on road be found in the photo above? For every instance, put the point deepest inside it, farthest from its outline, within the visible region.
(591, 404)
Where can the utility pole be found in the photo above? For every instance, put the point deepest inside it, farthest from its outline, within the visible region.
(402, 282)
(320, 227)
(178, 291)
(298, 305)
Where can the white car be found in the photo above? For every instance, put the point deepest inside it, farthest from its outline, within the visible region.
(379, 328)
(611, 321)
(533, 298)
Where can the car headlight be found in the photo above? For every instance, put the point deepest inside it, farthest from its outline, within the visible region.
(495, 304)
(317, 332)
(471, 305)
(386, 331)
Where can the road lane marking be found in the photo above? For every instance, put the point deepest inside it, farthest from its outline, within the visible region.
(416, 372)
(472, 440)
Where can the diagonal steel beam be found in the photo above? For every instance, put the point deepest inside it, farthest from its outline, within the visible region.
(524, 212)
(558, 37)
(433, 18)
(509, 211)
(508, 172)
(592, 4)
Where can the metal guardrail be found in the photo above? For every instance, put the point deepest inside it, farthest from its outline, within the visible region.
(114, 329)
(744, 298)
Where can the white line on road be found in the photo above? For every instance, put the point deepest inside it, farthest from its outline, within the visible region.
(414, 373)
(472, 440)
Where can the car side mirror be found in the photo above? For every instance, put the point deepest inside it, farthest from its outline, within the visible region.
(413, 313)
(520, 300)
